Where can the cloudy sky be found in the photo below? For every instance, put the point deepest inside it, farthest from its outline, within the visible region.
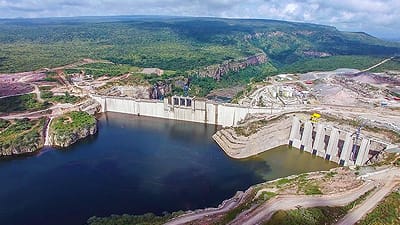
(377, 17)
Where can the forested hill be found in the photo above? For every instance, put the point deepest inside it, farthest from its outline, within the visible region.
(173, 43)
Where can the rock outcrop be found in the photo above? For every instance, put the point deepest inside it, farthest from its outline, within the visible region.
(21, 149)
(68, 139)
(22, 137)
(71, 127)
(217, 71)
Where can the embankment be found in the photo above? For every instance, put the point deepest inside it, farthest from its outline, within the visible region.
(254, 137)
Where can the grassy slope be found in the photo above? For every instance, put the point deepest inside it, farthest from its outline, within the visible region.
(71, 122)
(21, 103)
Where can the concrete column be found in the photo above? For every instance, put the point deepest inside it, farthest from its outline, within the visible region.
(318, 145)
(103, 104)
(306, 140)
(346, 151)
(362, 156)
(294, 138)
(333, 144)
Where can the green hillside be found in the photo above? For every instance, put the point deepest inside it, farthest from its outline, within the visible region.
(178, 44)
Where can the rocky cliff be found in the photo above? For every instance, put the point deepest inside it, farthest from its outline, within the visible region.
(67, 139)
(217, 71)
(21, 137)
(71, 127)
(18, 149)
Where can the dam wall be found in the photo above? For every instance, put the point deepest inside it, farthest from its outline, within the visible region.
(182, 108)
(343, 147)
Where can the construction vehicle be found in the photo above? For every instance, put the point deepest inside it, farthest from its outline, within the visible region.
(315, 117)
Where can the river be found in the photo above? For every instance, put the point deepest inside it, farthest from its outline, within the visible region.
(135, 165)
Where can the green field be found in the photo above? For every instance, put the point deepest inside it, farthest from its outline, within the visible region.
(66, 98)
(72, 122)
(21, 103)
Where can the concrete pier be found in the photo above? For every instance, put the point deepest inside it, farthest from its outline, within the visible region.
(327, 142)
(332, 148)
(362, 156)
(294, 138)
(318, 146)
(306, 140)
(346, 151)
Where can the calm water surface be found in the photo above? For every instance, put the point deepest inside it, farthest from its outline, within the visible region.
(134, 165)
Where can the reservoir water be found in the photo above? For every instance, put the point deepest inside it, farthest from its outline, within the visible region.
(135, 165)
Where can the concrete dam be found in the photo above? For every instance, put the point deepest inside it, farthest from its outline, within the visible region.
(182, 108)
(334, 144)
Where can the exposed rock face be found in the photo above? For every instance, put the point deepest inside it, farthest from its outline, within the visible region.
(22, 141)
(90, 106)
(66, 140)
(272, 135)
(19, 150)
(70, 127)
(159, 90)
(217, 71)
(316, 54)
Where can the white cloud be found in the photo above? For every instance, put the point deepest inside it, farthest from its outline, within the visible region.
(378, 17)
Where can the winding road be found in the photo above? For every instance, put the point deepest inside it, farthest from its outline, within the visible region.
(265, 212)
(224, 207)
(385, 181)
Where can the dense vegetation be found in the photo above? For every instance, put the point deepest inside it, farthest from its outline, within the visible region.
(201, 86)
(4, 124)
(146, 219)
(101, 69)
(172, 43)
(21, 136)
(332, 63)
(71, 122)
(66, 98)
(21, 103)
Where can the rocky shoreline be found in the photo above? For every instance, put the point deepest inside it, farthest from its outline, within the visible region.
(66, 140)
(70, 128)
(21, 137)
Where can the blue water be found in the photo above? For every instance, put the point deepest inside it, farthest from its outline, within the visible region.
(134, 165)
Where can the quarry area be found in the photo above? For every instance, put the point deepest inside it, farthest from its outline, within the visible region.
(343, 87)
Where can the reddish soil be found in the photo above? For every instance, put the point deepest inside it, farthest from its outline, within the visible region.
(19, 83)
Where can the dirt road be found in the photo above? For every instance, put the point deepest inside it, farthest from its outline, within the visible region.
(365, 207)
(266, 211)
(224, 207)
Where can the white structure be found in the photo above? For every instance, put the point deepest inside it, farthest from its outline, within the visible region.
(327, 143)
(182, 108)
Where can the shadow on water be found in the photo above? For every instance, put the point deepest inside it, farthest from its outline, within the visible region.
(135, 165)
